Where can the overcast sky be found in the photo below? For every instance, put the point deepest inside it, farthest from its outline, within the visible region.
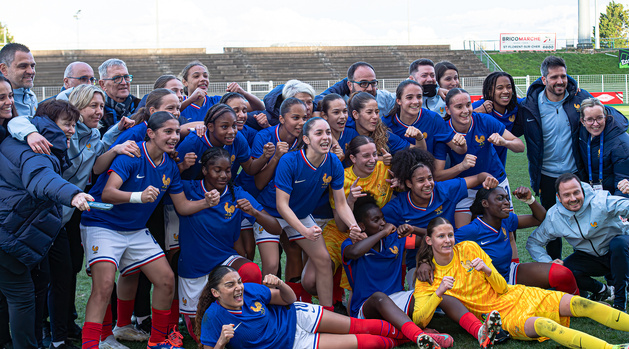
(215, 24)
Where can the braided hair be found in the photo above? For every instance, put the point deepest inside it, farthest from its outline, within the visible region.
(210, 157)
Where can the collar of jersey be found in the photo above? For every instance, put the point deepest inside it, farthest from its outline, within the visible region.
(277, 137)
(207, 191)
(419, 115)
(148, 157)
(410, 201)
(303, 156)
(468, 130)
(487, 225)
(202, 105)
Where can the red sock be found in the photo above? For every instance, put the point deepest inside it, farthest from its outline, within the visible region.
(250, 272)
(471, 324)
(375, 327)
(125, 310)
(107, 324)
(90, 335)
(369, 341)
(561, 279)
(337, 291)
(328, 308)
(411, 331)
(159, 327)
(174, 314)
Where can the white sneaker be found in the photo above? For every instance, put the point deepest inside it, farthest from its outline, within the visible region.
(130, 333)
(111, 343)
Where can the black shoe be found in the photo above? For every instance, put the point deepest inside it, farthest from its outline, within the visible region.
(339, 308)
(501, 337)
(74, 332)
(66, 345)
(145, 325)
(607, 295)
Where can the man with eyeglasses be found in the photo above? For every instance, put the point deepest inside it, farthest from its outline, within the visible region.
(18, 65)
(361, 77)
(76, 73)
(116, 82)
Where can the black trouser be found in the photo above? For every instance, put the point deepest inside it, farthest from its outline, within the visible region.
(60, 295)
(17, 286)
(5, 335)
(41, 281)
(548, 198)
(76, 257)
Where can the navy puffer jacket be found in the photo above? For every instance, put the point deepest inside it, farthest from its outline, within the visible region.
(31, 194)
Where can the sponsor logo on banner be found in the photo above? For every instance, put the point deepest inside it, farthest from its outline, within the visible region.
(528, 42)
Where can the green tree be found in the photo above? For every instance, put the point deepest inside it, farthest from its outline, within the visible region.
(9, 37)
(613, 24)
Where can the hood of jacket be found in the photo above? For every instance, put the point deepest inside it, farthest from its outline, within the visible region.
(49, 129)
(273, 100)
(588, 195)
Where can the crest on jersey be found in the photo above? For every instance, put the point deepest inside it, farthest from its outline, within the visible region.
(165, 181)
(504, 231)
(512, 118)
(577, 106)
(326, 180)
(467, 265)
(594, 224)
(184, 301)
(441, 110)
(94, 249)
(480, 140)
(176, 237)
(394, 250)
(258, 307)
(89, 146)
(229, 210)
(233, 158)
(439, 210)
(425, 135)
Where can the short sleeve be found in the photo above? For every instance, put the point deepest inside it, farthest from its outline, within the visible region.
(512, 222)
(243, 152)
(176, 185)
(344, 245)
(124, 166)
(210, 331)
(396, 143)
(492, 125)
(465, 233)
(284, 175)
(258, 146)
(443, 133)
(440, 151)
(392, 212)
(338, 173)
(243, 194)
(188, 145)
(259, 290)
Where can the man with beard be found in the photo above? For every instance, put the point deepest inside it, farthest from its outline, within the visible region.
(361, 77)
(423, 71)
(549, 120)
(588, 219)
(18, 65)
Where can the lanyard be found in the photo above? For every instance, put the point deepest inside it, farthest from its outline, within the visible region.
(600, 159)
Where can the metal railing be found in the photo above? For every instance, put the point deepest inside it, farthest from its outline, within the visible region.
(474, 85)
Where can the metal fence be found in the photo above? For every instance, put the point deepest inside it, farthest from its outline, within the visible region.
(474, 85)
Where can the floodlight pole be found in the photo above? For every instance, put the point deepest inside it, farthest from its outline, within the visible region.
(597, 35)
(157, 23)
(77, 17)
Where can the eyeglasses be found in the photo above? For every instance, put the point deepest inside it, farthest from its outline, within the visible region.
(119, 78)
(365, 83)
(598, 119)
(84, 79)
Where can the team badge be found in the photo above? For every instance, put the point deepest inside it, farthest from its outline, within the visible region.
(233, 158)
(184, 301)
(394, 250)
(425, 135)
(467, 265)
(439, 210)
(577, 106)
(480, 140)
(504, 231)
(166, 182)
(89, 146)
(258, 308)
(594, 224)
(512, 118)
(94, 249)
(229, 210)
(326, 180)
(176, 237)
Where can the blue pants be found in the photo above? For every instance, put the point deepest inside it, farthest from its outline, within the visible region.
(614, 263)
(17, 286)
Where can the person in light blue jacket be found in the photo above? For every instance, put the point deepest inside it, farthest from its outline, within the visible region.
(591, 222)
(18, 65)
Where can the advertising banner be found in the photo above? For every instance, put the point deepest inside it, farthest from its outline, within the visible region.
(528, 42)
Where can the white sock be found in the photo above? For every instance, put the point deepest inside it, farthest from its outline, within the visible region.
(56, 344)
(139, 320)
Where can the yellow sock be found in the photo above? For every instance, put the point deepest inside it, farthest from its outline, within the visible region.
(608, 316)
(568, 337)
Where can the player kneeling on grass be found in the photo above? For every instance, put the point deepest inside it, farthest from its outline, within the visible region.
(247, 315)
(119, 239)
(381, 294)
(465, 272)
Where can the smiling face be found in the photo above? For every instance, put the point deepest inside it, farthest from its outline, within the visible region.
(319, 137)
(497, 203)
(229, 291)
(425, 75)
(240, 107)
(94, 111)
(363, 74)
(336, 115)
(365, 160)
(367, 118)
(6, 100)
(307, 99)
(217, 174)
(460, 108)
(594, 120)
(411, 101)
(166, 137)
(21, 72)
(556, 82)
(118, 92)
(198, 77)
(441, 240)
(449, 79)
(176, 86)
(223, 129)
(294, 120)
(421, 184)
(570, 195)
(66, 125)
(503, 92)
(81, 74)
(169, 103)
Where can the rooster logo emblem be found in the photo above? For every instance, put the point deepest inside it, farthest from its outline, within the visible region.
(512, 118)
(229, 210)
(439, 210)
(480, 140)
(233, 157)
(504, 231)
(326, 180)
(184, 301)
(258, 307)
(394, 250)
(176, 237)
(95, 249)
(166, 182)
(425, 135)
(577, 106)
(594, 224)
